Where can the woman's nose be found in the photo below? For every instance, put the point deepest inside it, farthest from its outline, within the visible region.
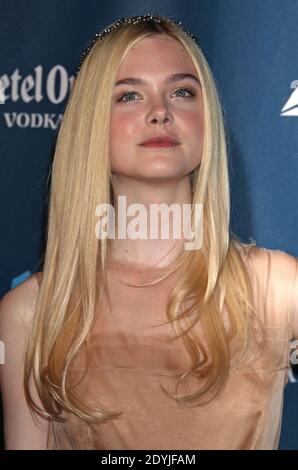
(160, 113)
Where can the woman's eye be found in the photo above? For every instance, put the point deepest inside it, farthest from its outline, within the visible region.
(183, 90)
(129, 93)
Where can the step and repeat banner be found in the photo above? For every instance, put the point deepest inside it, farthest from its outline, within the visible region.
(251, 46)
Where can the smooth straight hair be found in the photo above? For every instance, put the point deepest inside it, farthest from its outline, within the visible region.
(212, 277)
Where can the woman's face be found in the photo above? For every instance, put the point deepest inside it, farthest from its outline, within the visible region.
(156, 106)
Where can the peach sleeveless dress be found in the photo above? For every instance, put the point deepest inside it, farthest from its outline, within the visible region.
(129, 360)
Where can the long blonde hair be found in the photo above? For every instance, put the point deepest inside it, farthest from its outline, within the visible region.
(74, 260)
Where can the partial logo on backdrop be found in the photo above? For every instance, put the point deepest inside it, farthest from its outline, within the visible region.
(30, 90)
(20, 278)
(2, 95)
(290, 108)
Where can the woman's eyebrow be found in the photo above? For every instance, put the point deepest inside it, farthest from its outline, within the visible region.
(171, 78)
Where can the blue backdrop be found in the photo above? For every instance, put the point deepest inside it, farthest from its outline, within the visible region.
(251, 47)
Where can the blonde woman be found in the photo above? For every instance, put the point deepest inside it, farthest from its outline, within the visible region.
(139, 343)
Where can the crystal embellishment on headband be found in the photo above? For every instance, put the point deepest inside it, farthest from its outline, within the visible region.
(128, 20)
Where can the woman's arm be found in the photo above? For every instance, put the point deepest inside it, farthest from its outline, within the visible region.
(295, 303)
(16, 314)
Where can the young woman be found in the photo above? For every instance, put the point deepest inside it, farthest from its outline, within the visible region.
(139, 343)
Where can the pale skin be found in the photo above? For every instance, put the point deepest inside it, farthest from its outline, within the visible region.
(154, 175)
(144, 175)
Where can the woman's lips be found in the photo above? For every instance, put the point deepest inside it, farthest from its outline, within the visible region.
(159, 144)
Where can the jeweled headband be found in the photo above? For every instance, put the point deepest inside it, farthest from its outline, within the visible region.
(129, 20)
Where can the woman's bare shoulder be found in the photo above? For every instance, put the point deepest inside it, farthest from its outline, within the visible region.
(17, 308)
(18, 304)
(272, 264)
(281, 262)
